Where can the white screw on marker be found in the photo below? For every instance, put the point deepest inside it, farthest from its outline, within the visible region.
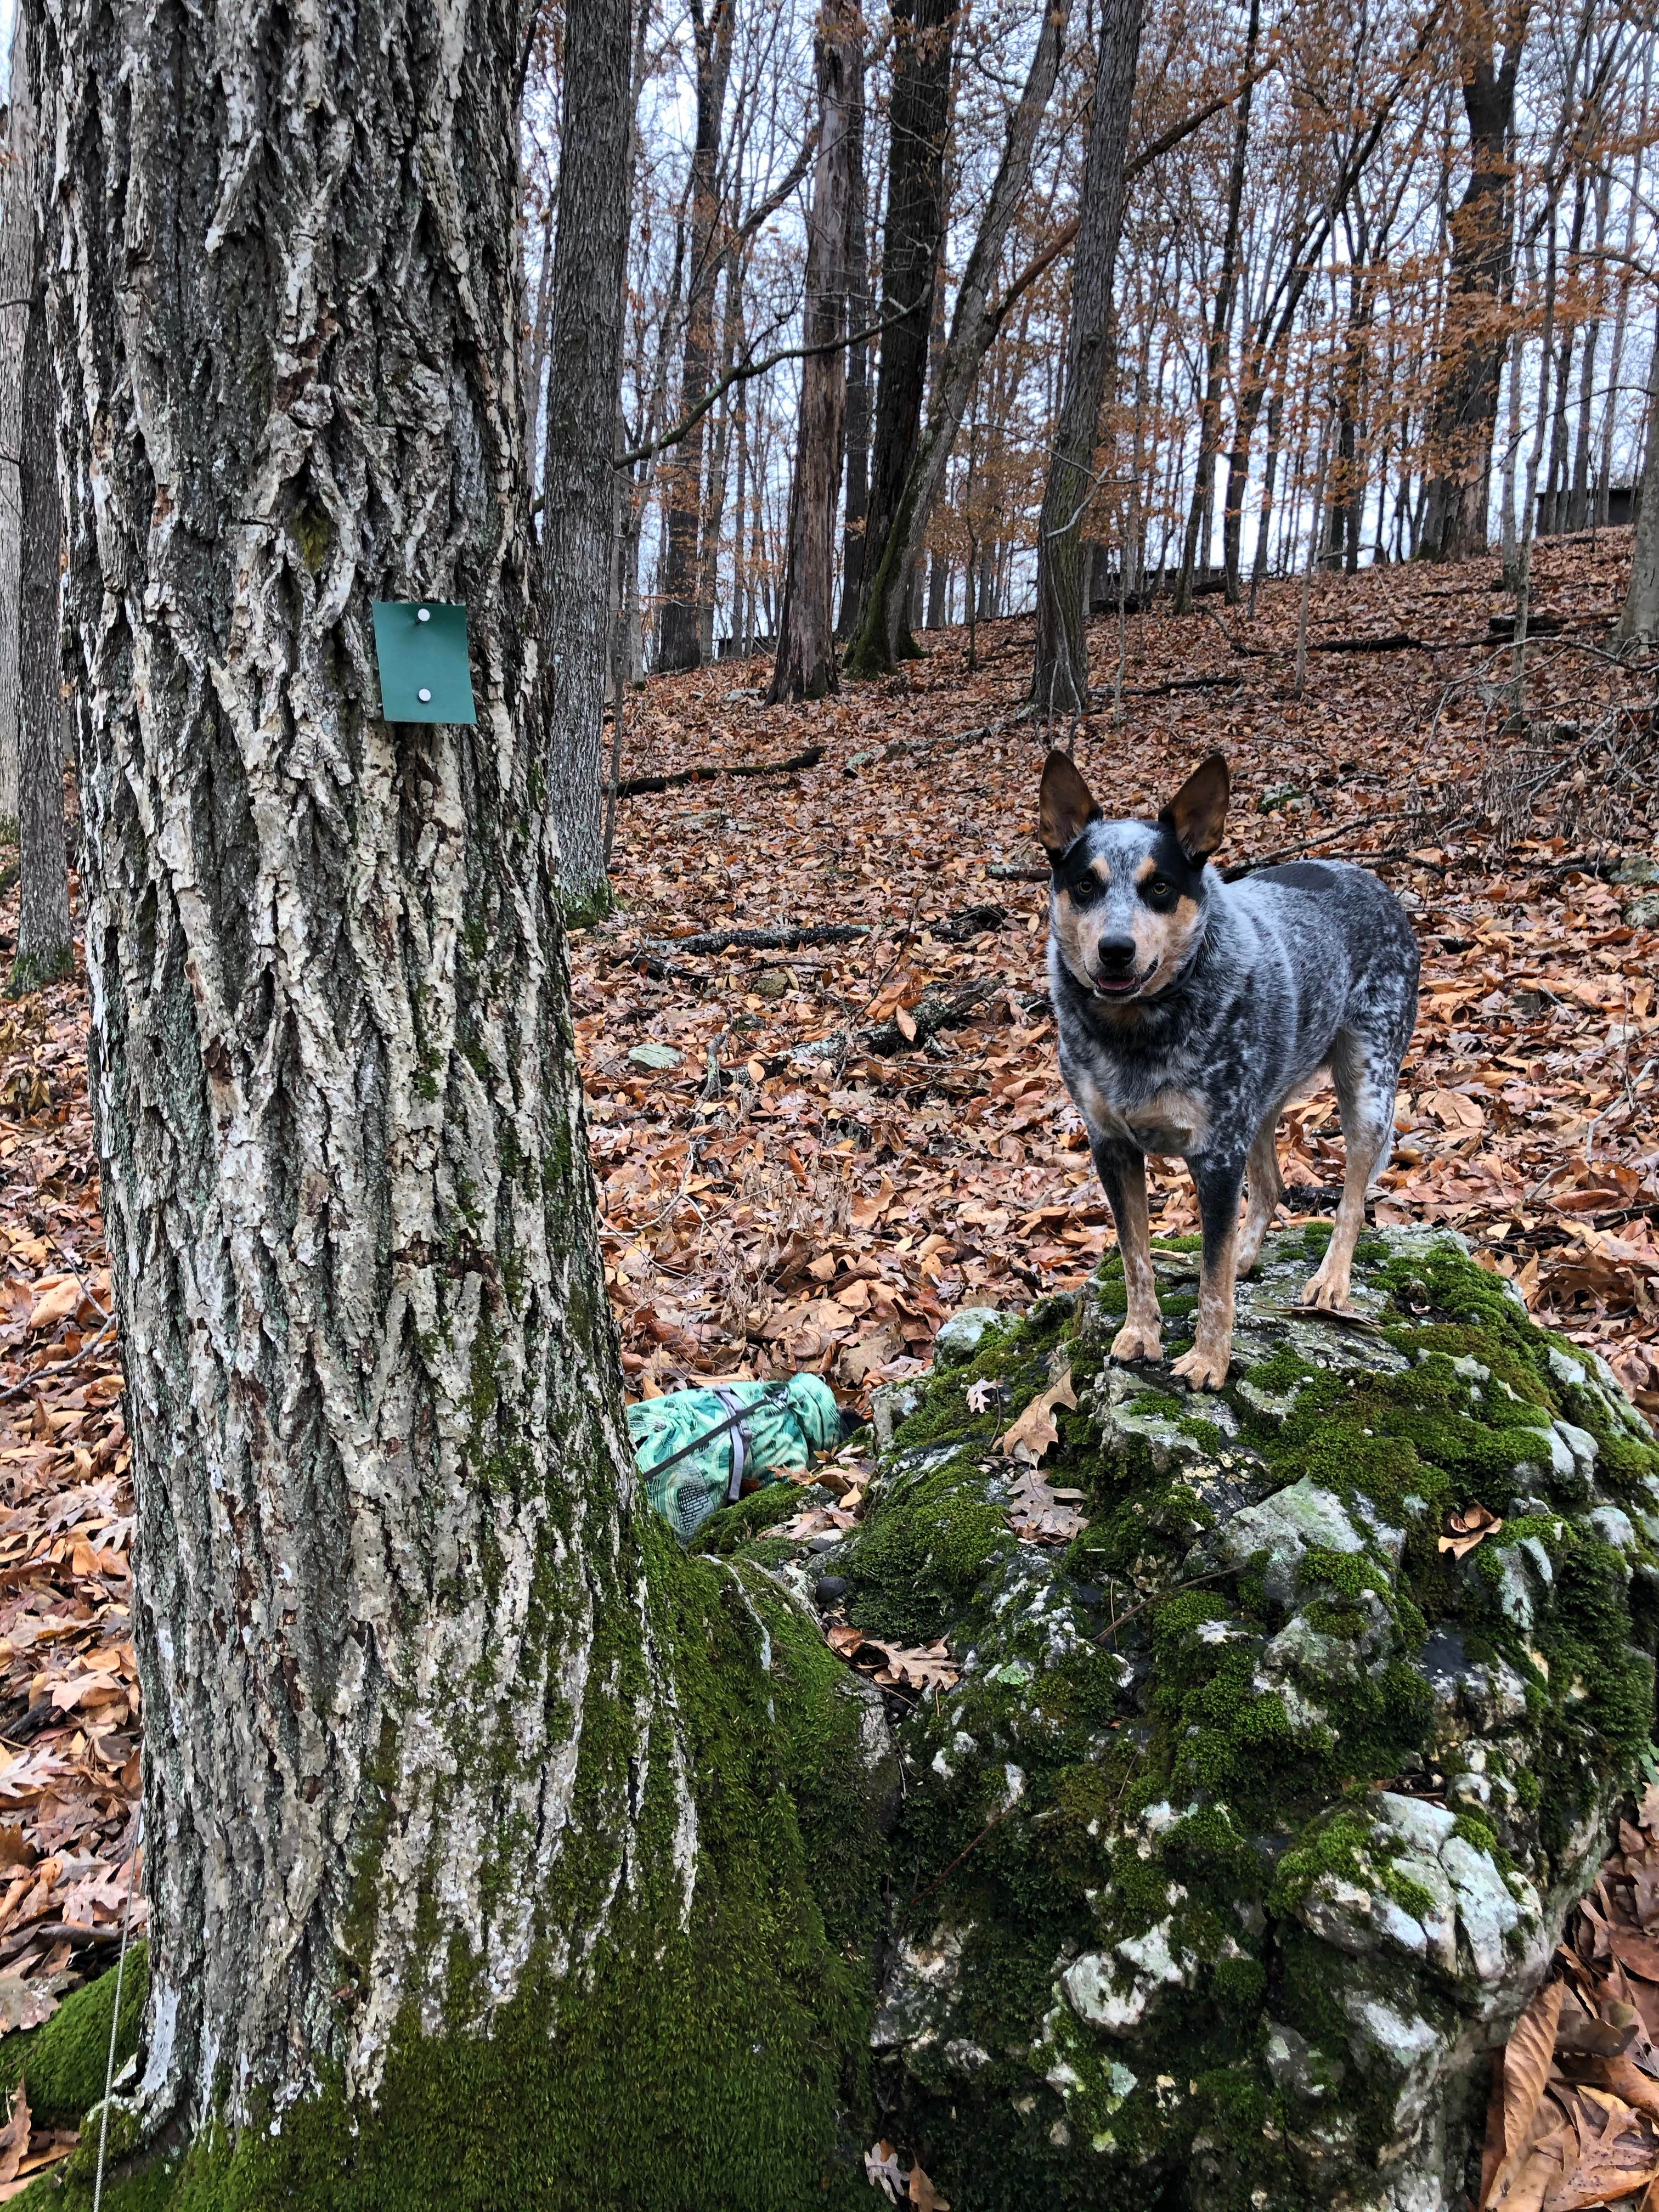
(422, 613)
(423, 695)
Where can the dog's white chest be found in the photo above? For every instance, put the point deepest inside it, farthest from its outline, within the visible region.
(1172, 1123)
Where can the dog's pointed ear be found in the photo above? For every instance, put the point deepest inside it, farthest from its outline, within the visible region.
(1065, 804)
(1195, 816)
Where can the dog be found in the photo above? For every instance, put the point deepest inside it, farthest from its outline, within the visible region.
(1191, 1010)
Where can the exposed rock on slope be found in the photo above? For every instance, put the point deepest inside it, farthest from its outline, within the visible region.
(1251, 1822)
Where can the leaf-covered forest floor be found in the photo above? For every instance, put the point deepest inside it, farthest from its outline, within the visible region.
(784, 1194)
(799, 1164)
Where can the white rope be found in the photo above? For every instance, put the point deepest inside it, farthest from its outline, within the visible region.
(115, 2015)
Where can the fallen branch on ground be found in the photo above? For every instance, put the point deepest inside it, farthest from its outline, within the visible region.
(762, 940)
(632, 786)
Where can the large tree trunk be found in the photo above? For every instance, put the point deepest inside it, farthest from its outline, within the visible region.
(17, 260)
(977, 318)
(679, 620)
(920, 116)
(1061, 679)
(466, 1798)
(43, 915)
(1474, 338)
(589, 255)
(805, 664)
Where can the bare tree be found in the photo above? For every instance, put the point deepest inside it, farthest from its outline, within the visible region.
(43, 919)
(1474, 335)
(17, 258)
(1061, 678)
(976, 321)
(583, 414)
(920, 112)
(806, 665)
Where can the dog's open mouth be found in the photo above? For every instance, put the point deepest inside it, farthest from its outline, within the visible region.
(1116, 986)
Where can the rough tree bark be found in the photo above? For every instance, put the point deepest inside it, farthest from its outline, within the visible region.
(1474, 338)
(882, 637)
(464, 1793)
(805, 664)
(1061, 679)
(43, 913)
(679, 623)
(16, 280)
(919, 117)
(589, 258)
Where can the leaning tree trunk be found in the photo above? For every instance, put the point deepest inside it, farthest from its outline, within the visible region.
(589, 259)
(919, 125)
(43, 913)
(805, 664)
(466, 1798)
(1061, 679)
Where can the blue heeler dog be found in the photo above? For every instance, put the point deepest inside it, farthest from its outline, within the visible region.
(1191, 1010)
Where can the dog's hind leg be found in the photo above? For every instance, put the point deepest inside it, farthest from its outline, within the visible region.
(1122, 1172)
(1265, 1187)
(1365, 1081)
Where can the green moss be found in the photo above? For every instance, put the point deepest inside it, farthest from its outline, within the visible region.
(733, 1526)
(66, 2057)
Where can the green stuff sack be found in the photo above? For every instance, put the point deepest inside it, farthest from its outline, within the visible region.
(696, 1448)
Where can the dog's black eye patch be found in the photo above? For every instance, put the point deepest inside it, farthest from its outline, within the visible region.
(1085, 888)
(1160, 894)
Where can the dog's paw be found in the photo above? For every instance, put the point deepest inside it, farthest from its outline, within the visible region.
(1138, 1340)
(1330, 1297)
(1202, 1371)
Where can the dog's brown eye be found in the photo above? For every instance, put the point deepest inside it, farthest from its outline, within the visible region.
(1158, 889)
(1083, 891)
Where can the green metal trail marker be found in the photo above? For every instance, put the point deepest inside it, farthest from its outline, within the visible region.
(421, 645)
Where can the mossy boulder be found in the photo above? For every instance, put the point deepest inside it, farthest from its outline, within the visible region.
(1253, 1817)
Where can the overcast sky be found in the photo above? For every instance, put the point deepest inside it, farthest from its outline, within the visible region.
(6, 10)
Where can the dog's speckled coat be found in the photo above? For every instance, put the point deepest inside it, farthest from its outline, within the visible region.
(1190, 1010)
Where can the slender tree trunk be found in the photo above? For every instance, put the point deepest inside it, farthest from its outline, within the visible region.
(919, 113)
(43, 920)
(974, 325)
(1265, 519)
(1473, 336)
(536, 344)
(459, 1781)
(1640, 617)
(713, 515)
(1061, 679)
(679, 624)
(589, 256)
(805, 664)
(17, 260)
(856, 507)
(1221, 331)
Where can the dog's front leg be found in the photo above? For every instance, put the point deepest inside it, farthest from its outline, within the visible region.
(1122, 1172)
(1219, 1183)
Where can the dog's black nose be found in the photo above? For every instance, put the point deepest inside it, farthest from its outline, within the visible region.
(1116, 953)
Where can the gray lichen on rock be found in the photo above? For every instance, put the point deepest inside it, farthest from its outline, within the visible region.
(1253, 1817)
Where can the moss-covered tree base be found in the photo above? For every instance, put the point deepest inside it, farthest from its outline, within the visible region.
(1250, 1824)
(719, 2058)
